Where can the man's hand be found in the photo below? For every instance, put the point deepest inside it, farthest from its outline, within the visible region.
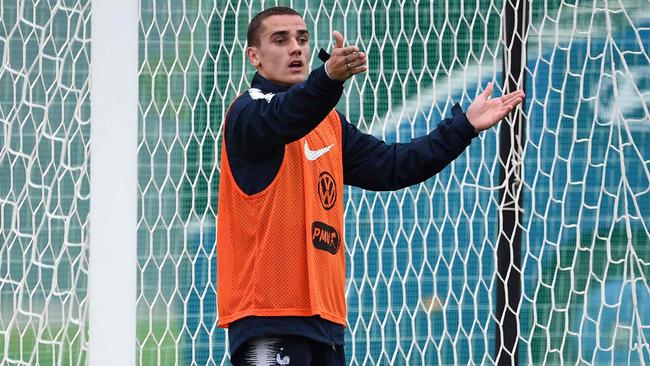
(345, 62)
(484, 113)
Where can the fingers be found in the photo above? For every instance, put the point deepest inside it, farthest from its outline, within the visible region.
(345, 62)
(503, 105)
(356, 60)
(515, 94)
(508, 102)
(507, 106)
(356, 63)
(484, 113)
(357, 70)
(514, 98)
(514, 102)
(339, 49)
(504, 98)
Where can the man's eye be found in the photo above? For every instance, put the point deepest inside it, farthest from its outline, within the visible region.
(303, 40)
(280, 41)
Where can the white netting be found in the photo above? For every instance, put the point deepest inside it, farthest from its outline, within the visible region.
(421, 261)
(44, 181)
(587, 185)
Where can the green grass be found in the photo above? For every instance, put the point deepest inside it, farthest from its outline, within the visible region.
(159, 343)
(55, 346)
(59, 346)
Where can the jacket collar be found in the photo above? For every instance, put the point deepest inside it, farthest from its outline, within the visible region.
(265, 85)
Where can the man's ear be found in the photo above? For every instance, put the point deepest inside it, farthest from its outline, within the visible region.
(251, 53)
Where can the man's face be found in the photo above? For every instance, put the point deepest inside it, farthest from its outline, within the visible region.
(283, 50)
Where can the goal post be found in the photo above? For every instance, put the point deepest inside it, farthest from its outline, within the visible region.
(512, 142)
(112, 244)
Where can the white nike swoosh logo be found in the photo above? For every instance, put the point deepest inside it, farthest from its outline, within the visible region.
(315, 154)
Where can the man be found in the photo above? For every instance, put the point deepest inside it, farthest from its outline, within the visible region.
(286, 154)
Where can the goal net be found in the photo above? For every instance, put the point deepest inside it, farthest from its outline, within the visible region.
(44, 181)
(421, 262)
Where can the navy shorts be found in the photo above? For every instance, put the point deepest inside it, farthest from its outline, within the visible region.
(288, 351)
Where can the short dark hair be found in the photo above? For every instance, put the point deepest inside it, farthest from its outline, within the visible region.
(253, 35)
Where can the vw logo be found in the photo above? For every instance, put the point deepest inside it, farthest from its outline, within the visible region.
(326, 190)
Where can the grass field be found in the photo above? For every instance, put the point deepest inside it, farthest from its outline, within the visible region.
(59, 346)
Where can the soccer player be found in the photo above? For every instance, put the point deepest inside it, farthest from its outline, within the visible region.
(286, 154)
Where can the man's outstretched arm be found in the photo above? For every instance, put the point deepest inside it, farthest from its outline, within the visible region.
(372, 164)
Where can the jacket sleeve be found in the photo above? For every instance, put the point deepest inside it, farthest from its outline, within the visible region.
(372, 164)
(258, 122)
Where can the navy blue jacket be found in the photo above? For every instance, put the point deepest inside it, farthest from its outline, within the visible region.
(268, 116)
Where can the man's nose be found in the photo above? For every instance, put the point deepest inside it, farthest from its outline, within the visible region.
(295, 47)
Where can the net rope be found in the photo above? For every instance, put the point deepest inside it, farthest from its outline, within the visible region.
(44, 181)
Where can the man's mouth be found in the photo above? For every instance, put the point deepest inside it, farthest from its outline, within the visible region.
(296, 64)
